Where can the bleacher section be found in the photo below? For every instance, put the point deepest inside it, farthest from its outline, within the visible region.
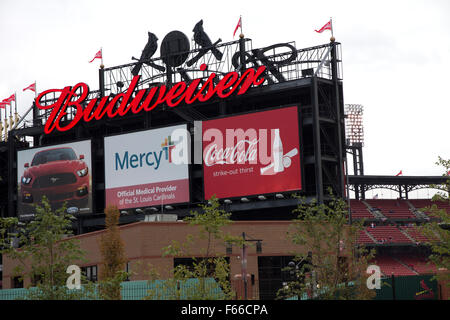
(388, 235)
(360, 210)
(392, 209)
(389, 221)
(389, 266)
(364, 238)
(414, 233)
(423, 203)
(418, 263)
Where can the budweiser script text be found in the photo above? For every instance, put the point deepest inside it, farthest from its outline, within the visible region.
(71, 99)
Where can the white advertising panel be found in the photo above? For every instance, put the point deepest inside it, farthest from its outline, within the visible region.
(147, 168)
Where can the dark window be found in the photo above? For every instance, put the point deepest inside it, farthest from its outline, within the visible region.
(35, 279)
(128, 270)
(17, 282)
(272, 276)
(90, 273)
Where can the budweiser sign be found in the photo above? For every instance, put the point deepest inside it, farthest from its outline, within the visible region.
(144, 100)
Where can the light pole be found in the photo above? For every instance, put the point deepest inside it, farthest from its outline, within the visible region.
(244, 259)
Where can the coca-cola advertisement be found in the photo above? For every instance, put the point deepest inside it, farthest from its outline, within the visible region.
(252, 154)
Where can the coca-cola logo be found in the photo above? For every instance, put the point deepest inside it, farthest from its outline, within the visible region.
(245, 151)
(244, 147)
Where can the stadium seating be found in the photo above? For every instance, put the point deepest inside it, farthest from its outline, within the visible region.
(364, 238)
(388, 235)
(418, 263)
(422, 203)
(359, 210)
(392, 209)
(389, 266)
(414, 233)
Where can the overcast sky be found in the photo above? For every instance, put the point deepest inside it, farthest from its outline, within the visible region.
(396, 56)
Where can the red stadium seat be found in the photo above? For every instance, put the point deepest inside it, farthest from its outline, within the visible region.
(359, 210)
(393, 209)
(388, 235)
(390, 266)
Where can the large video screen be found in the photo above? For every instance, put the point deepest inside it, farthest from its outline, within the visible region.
(252, 154)
(147, 168)
(63, 173)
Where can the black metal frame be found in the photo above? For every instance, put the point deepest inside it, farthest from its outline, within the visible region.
(401, 184)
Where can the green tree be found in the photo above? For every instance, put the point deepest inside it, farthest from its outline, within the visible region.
(437, 230)
(113, 257)
(331, 264)
(44, 252)
(210, 221)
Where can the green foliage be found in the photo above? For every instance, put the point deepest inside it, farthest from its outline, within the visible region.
(113, 257)
(210, 222)
(44, 252)
(437, 229)
(330, 258)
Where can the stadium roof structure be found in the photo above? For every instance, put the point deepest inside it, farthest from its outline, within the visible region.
(401, 184)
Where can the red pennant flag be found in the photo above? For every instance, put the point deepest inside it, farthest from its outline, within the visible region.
(3, 105)
(327, 26)
(98, 55)
(31, 87)
(238, 25)
(10, 99)
(399, 174)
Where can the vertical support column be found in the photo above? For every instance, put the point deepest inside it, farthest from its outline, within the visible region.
(316, 137)
(101, 78)
(11, 175)
(355, 170)
(361, 162)
(339, 121)
(36, 122)
(242, 52)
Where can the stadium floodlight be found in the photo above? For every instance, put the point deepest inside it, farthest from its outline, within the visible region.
(354, 129)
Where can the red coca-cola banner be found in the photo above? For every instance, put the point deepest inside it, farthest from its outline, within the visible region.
(252, 154)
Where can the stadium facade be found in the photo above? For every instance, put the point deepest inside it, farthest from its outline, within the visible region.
(162, 135)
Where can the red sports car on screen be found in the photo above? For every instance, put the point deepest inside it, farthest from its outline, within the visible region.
(59, 175)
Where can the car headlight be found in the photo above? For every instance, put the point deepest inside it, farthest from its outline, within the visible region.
(82, 172)
(26, 180)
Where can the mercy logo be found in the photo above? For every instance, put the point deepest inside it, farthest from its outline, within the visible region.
(170, 152)
(168, 145)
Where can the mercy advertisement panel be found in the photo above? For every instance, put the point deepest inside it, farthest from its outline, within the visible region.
(252, 154)
(147, 168)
